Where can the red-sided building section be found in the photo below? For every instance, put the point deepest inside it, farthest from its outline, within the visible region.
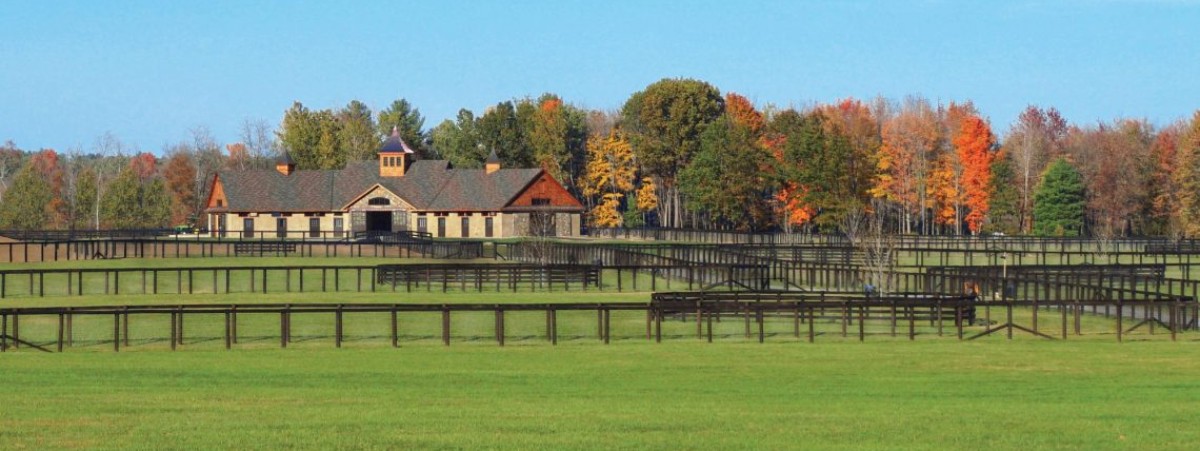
(216, 197)
(546, 192)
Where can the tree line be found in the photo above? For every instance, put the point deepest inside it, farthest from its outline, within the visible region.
(680, 153)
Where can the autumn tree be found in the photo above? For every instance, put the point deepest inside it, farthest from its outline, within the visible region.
(973, 147)
(1162, 189)
(665, 122)
(180, 175)
(1114, 160)
(609, 174)
(855, 120)
(556, 137)
(1187, 178)
(646, 201)
(910, 141)
(238, 156)
(1036, 138)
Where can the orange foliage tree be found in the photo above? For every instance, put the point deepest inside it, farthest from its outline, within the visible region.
(46, 163)
(180, 174)
(973, 146)
(910, 140)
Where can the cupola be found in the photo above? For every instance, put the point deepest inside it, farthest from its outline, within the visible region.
(285, 164)
(395, 156)
(492, 164)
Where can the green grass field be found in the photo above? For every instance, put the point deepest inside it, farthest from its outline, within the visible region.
(681, 395)
(934, 392)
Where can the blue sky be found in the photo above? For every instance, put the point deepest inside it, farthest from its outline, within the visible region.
(150, 71)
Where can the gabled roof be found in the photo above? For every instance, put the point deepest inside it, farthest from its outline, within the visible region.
(430, 185)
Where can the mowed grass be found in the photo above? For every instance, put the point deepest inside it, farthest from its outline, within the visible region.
(679, 395)
(197, 280)
(932, 393)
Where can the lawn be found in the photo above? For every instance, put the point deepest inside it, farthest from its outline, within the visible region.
(932, 394)
(1087, 392)
(187, 278)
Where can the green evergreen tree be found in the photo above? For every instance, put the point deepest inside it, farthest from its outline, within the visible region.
(500, 129)
(1059, 201)
(25, 204)
(1005, 201)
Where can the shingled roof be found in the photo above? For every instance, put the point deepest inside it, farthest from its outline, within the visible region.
(395, 144)
(430, 185)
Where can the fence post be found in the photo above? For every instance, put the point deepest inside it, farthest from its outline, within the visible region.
(395, 328)
(445, 325)
(116, 332)
(337, 329)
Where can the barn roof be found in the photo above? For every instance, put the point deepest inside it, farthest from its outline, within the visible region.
(430, 185)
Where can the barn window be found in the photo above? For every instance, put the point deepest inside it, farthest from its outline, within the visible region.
(379, 201)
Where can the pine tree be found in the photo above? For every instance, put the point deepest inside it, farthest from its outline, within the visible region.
(1059, 202)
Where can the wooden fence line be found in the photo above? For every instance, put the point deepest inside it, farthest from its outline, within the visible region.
(395, 278)
(754, 309)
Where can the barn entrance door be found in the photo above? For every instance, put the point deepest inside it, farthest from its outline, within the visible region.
(379, 221)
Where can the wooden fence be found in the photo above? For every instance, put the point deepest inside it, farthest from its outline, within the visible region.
(441, 277)
(48, 251)
(699, 316)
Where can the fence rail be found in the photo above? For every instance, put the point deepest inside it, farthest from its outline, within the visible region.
(442, 277)
(699, 316)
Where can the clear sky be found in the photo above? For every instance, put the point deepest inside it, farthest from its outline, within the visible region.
(150, 71)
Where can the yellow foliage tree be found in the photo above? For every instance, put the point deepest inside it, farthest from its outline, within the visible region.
(610, 165)
(647, 196)
(609, 173)
(607, 213)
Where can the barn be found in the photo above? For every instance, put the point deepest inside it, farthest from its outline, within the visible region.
(396, 193)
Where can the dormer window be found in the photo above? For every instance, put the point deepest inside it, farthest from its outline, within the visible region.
(379, 201)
